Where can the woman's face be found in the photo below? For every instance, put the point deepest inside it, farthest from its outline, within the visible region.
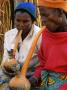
(23, 21)
(53, 19)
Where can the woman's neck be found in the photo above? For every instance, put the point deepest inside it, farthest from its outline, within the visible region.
(62, 29)
(24, 34)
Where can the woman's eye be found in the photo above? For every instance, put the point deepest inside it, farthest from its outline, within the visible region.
(18, 20)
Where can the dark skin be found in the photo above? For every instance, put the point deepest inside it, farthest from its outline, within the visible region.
(23, 21)
(54, 19)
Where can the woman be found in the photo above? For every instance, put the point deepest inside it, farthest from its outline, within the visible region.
(53, 50)
(25, 15)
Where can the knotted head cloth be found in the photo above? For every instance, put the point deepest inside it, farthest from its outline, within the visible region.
(29, 7)
(61, 4)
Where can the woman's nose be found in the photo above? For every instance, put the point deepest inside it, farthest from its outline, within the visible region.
(55, 19)
(21, 24)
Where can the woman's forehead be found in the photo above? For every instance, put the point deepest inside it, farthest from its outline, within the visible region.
(22, 14)
(52, 11)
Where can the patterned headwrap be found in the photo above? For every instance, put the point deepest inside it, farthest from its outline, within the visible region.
(62, 4)
(28, 7)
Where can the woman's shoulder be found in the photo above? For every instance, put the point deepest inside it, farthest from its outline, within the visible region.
(36, 28)
(11, 32)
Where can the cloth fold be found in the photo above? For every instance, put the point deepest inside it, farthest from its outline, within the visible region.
(52, 80)
(61, 4)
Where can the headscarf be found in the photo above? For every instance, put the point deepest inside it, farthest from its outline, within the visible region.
(28, 7)
(61, 4)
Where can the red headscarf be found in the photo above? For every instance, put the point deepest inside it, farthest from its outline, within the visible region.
(62, 4)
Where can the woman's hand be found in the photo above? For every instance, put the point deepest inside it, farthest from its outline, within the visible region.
(11, 67)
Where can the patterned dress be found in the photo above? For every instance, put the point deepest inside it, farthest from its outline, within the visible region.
(53, 60)
(22, 51)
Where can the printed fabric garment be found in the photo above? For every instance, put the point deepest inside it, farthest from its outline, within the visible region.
(24, 48)
(53, 52)
(53, 81)
(4, 79)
